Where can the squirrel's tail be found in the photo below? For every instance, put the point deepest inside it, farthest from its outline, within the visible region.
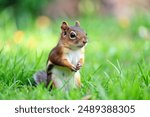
(40, 77)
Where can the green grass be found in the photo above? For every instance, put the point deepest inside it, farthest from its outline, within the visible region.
(117, 60)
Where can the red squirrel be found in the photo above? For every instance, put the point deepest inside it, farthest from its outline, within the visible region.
(65, 60)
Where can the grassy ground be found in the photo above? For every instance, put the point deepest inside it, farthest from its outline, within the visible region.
(117, 59)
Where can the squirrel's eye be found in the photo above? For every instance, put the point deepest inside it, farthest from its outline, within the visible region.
(72, 35)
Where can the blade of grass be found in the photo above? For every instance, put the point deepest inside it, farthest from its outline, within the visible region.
(143, 75)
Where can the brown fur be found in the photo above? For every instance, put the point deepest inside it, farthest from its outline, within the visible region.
(64, 46)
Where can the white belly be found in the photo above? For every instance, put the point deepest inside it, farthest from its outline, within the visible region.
(63, 77)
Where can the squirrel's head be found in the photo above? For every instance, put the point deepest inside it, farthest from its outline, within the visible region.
(73, 36)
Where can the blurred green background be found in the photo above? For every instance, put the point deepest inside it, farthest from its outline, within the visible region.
(119, 41)
(22, 22)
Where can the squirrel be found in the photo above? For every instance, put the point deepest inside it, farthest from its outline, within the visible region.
(65, 60)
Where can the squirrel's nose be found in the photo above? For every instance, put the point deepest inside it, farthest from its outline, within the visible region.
(85, 41)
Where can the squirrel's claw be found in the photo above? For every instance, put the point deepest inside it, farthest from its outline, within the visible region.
(73, 68)
(78, 66)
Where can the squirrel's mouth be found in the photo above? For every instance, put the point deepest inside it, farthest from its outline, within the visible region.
(80, 46)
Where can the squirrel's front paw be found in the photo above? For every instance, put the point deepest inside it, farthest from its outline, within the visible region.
(73, 68)
(78, 66)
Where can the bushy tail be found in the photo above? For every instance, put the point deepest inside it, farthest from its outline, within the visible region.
(40, 77)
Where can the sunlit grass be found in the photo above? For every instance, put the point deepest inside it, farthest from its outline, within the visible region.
(116, 60)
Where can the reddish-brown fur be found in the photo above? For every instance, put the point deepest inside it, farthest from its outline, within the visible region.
(66, 46)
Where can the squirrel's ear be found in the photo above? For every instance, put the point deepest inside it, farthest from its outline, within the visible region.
(77, 24)
(64, 26)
